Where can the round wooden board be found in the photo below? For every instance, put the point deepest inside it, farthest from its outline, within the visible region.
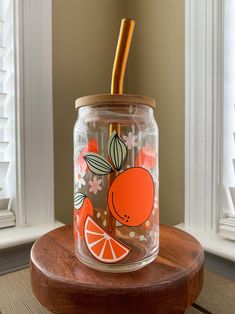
(168, 285)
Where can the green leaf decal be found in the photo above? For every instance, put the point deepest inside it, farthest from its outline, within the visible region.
(79, 199)
(117, 151)
(97, 164)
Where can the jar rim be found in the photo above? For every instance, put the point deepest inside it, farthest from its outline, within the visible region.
(117, 99)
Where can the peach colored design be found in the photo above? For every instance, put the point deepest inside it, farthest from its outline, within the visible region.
(92, 147)
(146, 158)
(75, 224)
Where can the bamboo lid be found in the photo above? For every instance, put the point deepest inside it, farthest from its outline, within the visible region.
(118, 99)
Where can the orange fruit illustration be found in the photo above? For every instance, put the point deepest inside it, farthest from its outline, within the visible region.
(92, 147)
(80, 216)
(102, 245)
(146, 158)
(131, 196)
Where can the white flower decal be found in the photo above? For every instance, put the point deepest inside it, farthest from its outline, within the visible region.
(130, 140)
(79, 178)
(95, 185)
(156, 202)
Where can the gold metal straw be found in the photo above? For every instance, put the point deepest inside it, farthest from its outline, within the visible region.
(121, 56)
(119, 69)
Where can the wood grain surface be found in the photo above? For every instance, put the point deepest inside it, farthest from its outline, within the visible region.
(168, 285)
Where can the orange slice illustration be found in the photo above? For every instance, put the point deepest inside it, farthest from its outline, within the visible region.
(102, 245)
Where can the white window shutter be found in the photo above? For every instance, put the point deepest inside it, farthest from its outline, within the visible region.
(7, 115)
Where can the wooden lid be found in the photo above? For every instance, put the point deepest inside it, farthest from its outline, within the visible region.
(120, 99)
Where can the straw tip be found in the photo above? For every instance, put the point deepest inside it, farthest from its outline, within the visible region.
(127, 19)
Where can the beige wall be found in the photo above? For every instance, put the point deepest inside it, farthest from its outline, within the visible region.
(84, 40)
(156, 69)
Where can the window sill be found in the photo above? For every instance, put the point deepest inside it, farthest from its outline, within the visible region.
(213, 243)
(15, 236)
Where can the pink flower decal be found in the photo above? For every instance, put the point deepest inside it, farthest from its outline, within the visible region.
(95, 185)
(130, 140)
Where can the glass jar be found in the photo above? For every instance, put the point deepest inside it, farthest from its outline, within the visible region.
(116, 212)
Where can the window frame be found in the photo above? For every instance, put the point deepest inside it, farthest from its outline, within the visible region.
(8, 180)
(227, 223)
(33, 59)
(34, 112)
(204, 124)
(203, 113)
